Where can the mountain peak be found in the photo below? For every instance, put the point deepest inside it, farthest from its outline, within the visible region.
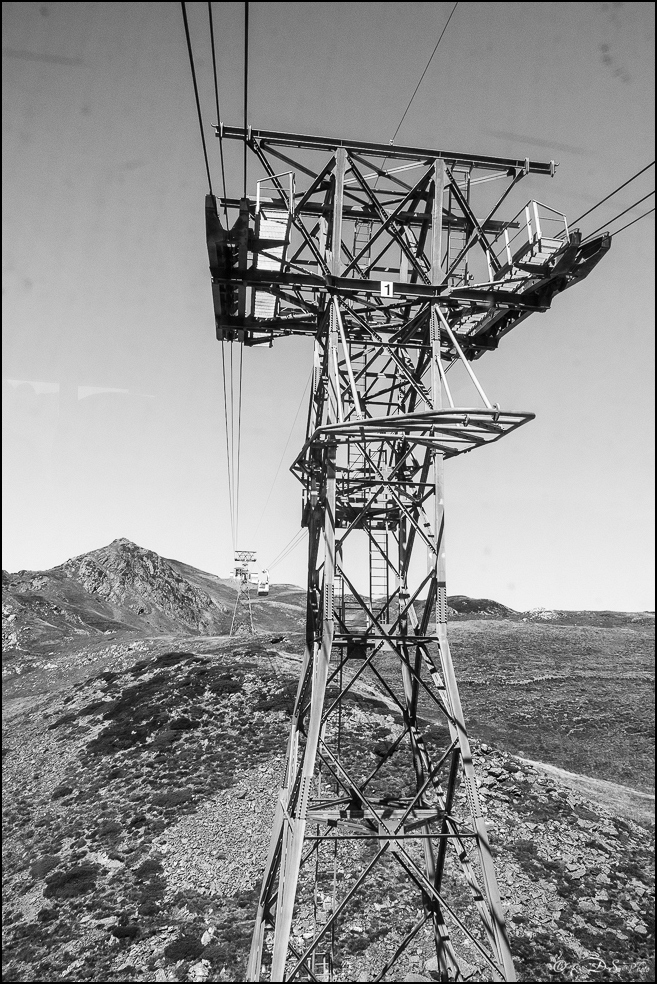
(123, 587)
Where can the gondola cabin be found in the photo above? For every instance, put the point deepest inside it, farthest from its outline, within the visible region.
(263, 583)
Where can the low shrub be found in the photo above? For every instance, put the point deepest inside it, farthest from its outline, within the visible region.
(45, 864)
(171, 659)
(78, 880)
(125, 932)
(148, 868)
(164, 739)
(46, 914)
(174, 798)
(148, 909)
(108, 827)
(64, 719)
(61, 791)
(184, 948)
(225, 683)
(183, 724)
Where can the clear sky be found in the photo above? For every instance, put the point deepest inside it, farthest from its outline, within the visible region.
(112, 393)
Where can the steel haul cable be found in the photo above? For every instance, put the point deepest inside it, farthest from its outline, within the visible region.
(607, 197)
(239, 444)
(289, 437)
(288, 549)
(216, 96)
(198, 103)
(231, 502)
(426, 69)
(620, 214)
(239, 405)
(423, 73)
(230, 484)
(246, 86)
(649, 212)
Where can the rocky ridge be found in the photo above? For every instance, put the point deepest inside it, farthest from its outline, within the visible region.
(121, 587)
(124, 589)
(141, 581)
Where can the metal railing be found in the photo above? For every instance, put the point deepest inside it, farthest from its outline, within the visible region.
(275, 183)
(536, 221)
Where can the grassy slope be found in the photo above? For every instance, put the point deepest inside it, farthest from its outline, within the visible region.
(577, 696)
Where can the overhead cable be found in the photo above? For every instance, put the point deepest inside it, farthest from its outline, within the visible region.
(424, 73)
(289, 548)
(638, 218)
(216, 96)
(289, 438)
(239, 447)
(290, 545)
(228, 465)
(426, 68)
(198, 103)
(232, 426)
(620, 215)
(610, 195)
(246, 86)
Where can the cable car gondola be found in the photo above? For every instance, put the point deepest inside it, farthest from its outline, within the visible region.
(263, 583)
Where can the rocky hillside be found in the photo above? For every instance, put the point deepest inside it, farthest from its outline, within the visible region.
(137, 807)
(461, 605)
(118, 587)
(124, 588)
(142, 750)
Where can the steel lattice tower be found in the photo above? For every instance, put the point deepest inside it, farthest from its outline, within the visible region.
(398, 273)
(242, 620)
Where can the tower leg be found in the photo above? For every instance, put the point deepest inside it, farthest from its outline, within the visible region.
(295, 828)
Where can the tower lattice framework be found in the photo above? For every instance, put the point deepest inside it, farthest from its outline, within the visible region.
(394, 262)
(242, 620)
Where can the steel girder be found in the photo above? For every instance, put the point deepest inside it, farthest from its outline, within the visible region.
(494, 273)
(393, 816)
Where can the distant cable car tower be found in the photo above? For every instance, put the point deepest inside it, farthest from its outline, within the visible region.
(243, 612)
(399, 273)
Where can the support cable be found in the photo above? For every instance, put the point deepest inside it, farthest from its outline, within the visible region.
(246, 87)
(230, 482)
(229, 456)
(649, 212)
(426, 68)
(291, 550)
(216, 96)
(236, 472)
(239, 446)
(198, 103)
(620, 214)
(423, 74)
(288, 548)
(232, 435)
(610, 195)
(289, 438)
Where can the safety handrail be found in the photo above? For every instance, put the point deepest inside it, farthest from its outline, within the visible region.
(535, 216)
(271, 179)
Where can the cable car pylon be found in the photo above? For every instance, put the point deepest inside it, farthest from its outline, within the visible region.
(398, 274)
(242, 621)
